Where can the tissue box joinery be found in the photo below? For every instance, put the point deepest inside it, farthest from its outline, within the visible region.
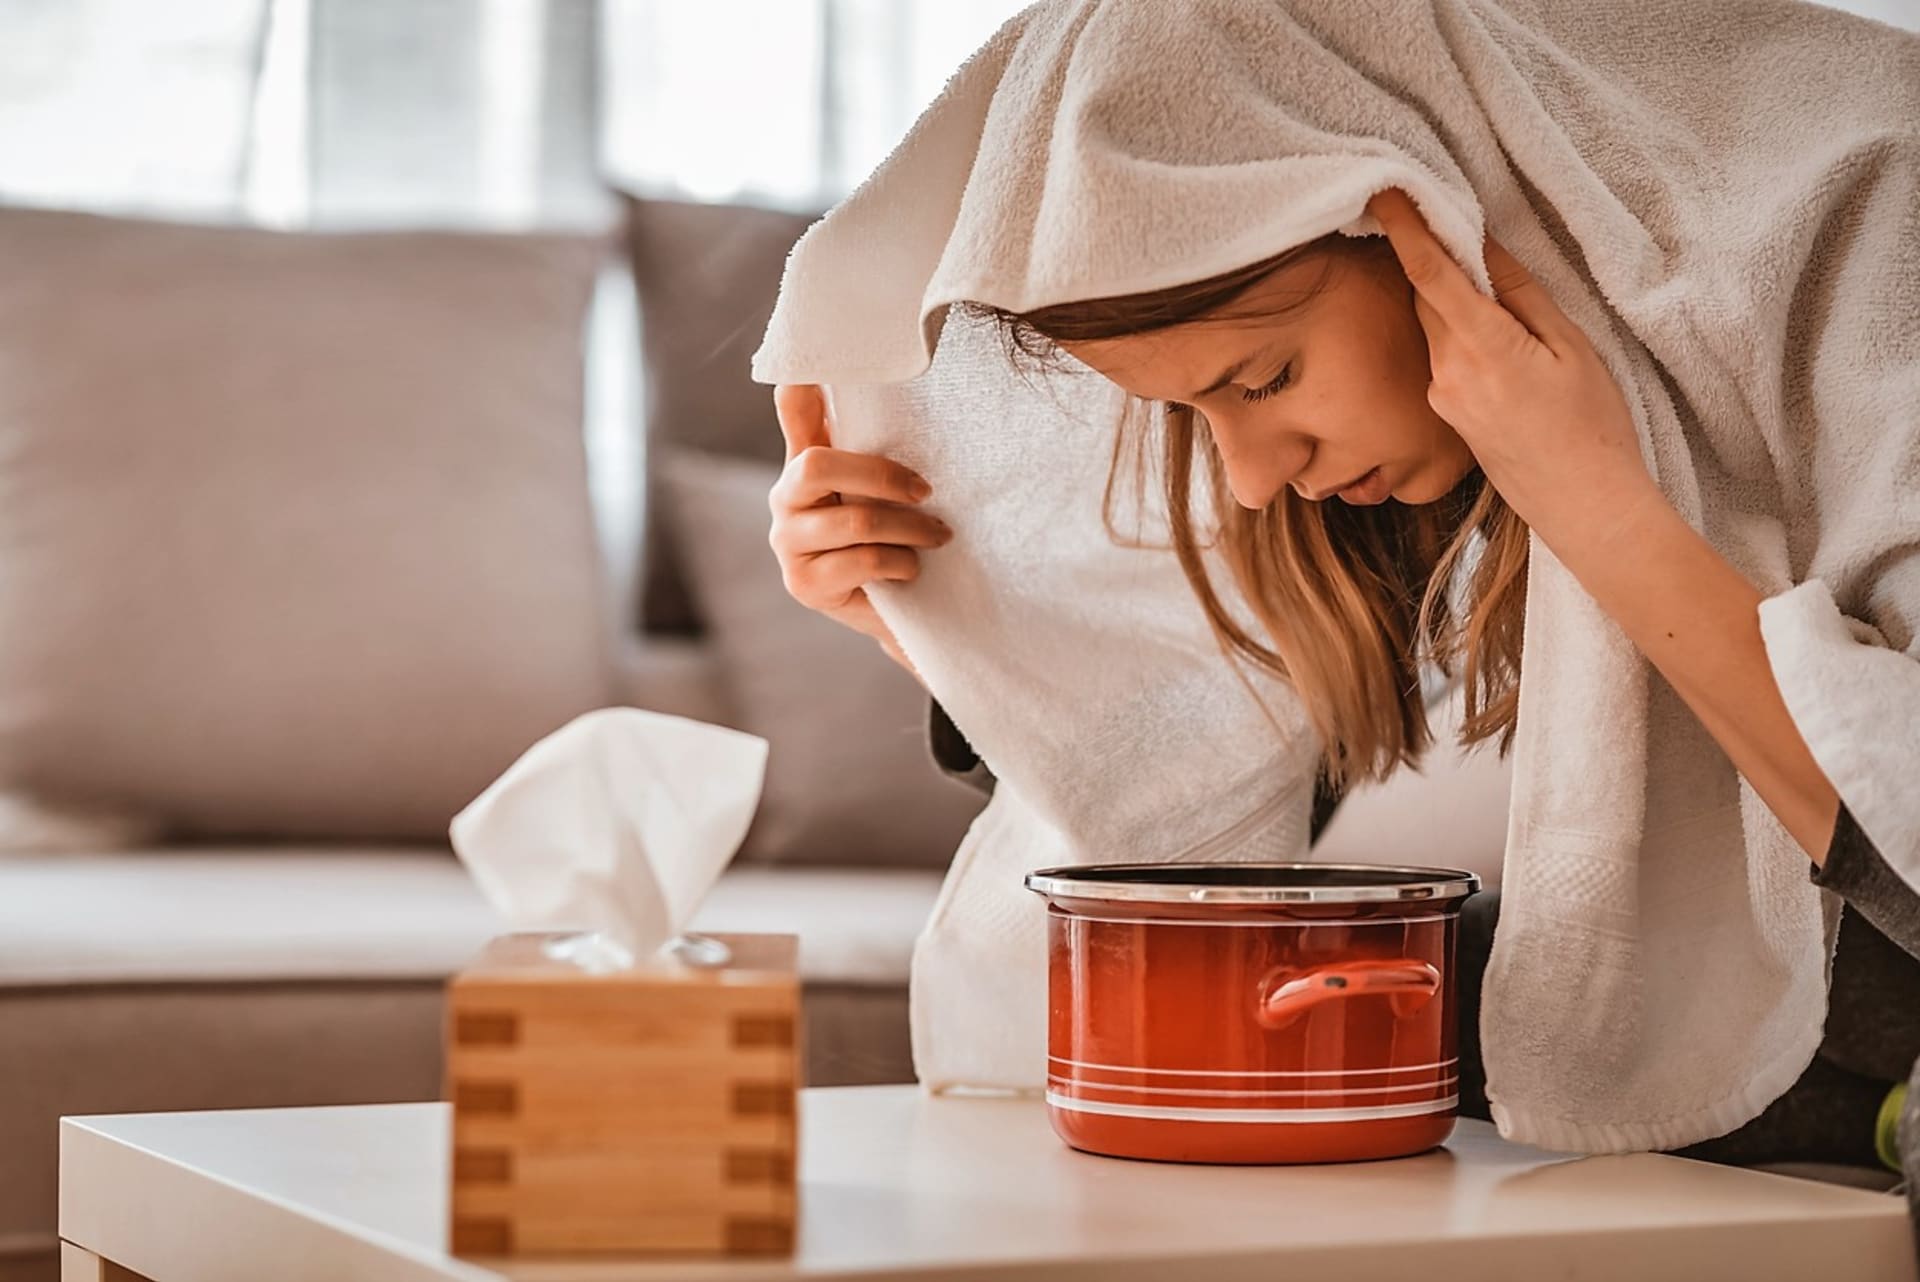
(641, 1111)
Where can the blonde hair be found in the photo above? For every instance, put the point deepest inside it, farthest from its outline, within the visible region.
(1351, 599)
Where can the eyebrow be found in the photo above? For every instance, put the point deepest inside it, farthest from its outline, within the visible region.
(1234, 372)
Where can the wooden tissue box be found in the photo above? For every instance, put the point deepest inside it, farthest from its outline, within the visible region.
(640, 1111)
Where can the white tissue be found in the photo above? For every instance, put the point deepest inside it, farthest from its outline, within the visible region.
(617, 823)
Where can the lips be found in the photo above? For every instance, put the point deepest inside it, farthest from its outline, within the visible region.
(1369, 489)
(1319, 496)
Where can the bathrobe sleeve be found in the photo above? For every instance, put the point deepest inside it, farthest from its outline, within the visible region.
(1854, 695)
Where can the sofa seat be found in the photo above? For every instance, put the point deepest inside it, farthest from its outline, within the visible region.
(233, 977)
(281, 913)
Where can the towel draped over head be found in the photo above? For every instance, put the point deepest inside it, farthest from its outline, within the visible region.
(1726, 199)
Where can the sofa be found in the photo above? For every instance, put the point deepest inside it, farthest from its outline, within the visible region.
(299, 548)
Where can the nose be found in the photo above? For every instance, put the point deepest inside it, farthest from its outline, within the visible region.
(1259, 462)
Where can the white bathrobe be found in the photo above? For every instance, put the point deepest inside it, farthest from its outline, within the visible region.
(1725, 197)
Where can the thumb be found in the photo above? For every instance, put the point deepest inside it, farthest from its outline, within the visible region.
(802, 410)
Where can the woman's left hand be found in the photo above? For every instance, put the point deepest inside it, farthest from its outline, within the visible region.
(1522, 386)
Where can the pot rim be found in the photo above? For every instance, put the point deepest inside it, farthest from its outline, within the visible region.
(1254, 883)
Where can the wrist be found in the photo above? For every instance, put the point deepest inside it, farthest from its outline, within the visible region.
(1606, 524)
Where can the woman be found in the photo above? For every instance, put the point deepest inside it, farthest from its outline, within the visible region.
(1381, 437)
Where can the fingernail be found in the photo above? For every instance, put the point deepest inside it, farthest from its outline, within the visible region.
(946, 531)
(921, 489)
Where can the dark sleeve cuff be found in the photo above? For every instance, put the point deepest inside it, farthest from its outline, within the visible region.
(1857, 872)
(951, 751)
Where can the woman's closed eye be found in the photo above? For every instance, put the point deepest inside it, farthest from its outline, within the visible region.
(1261, 393)
(1280, 380)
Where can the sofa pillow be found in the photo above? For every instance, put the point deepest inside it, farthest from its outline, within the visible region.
(294, 529)
(848, 778)
(706, 276)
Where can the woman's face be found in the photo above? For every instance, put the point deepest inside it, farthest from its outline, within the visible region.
(1318, 397)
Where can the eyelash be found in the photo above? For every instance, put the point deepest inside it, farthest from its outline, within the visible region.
(1280, 380)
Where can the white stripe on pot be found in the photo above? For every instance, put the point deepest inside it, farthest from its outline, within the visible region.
(1442, 1083)
(1373, 1113)
(1234, 1072)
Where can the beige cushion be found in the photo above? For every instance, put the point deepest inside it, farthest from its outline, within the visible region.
(671, 674)
(706, 276)
(294, 529)
(848, 780)
(367, 913)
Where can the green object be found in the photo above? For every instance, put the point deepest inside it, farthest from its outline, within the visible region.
(1886, 1130)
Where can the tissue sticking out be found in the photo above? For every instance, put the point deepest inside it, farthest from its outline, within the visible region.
(616, 826)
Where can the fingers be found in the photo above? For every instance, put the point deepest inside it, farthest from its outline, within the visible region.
(802, 411)
(1455, 305)
(1505, 270)
(811, 531)
(819, 472)
(827, 582)
(1526, 298)
(1428, 267)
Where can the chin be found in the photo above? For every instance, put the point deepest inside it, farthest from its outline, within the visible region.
(1427, 486)
(1419, 490)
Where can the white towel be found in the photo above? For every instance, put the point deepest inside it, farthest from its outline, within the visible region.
(1083, 670)
(1725, 197)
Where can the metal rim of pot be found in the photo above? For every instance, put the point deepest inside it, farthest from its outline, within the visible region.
(1254, 883)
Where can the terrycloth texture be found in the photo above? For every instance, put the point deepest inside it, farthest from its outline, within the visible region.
(1062, 655)
(1726, 198)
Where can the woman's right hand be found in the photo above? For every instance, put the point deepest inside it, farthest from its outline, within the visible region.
(842, 520)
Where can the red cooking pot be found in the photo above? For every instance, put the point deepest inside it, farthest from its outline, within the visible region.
(1252, 1012)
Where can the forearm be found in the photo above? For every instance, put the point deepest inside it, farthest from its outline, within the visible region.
(1697, 619)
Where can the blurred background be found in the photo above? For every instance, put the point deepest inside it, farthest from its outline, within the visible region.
(502, 112)
(323, 114)
(373, 401)
(334, 114)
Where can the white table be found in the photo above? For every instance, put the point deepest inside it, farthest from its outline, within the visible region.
(895, 1185)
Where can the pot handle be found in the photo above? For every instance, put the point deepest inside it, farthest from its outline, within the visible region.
(1288, 994)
